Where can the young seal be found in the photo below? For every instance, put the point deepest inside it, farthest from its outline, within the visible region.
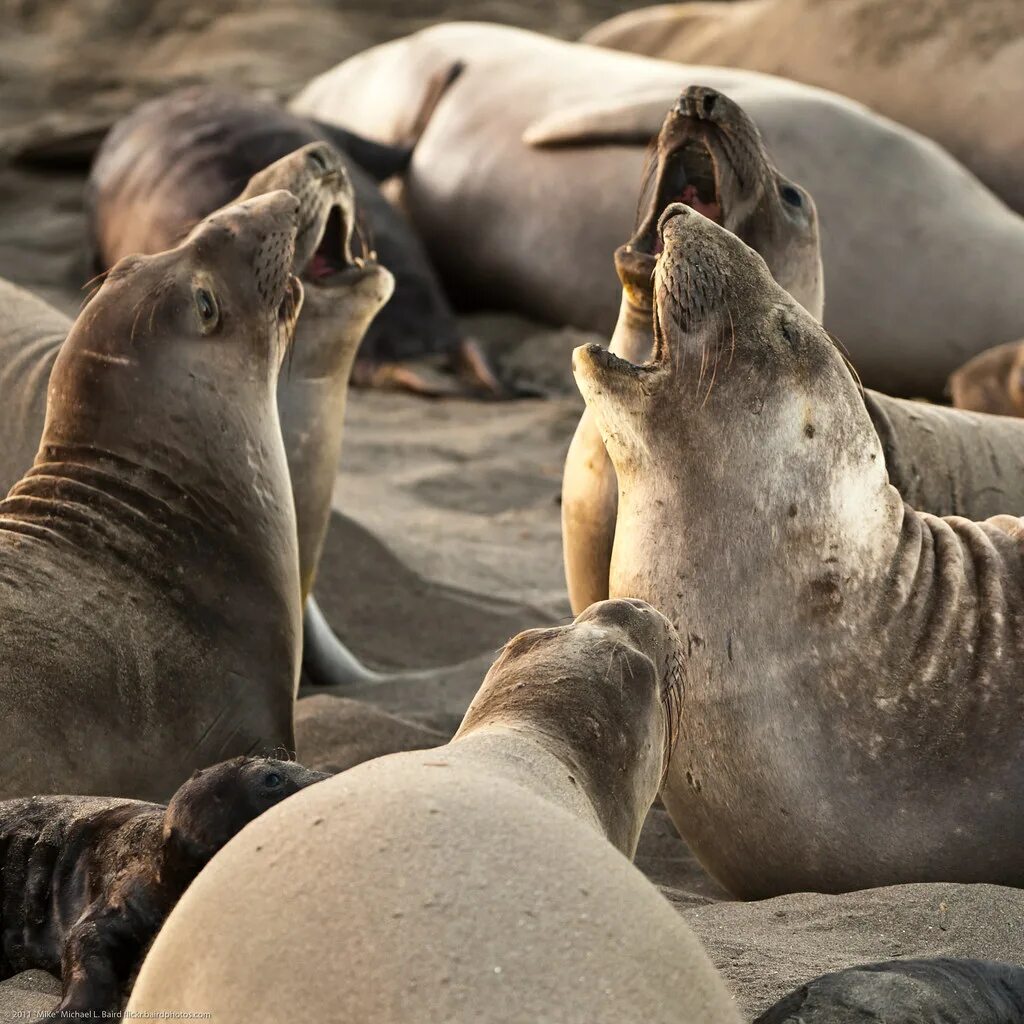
(180, 157)
(150, 590)
(991, 382)
(940, 991)
(541, 216)
(88, 881)
(851, 698)
(486, 880)
(342, 295)
(893, 58)
(941, 461)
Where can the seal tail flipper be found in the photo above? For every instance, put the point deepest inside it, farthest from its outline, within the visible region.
(627, 121)
(378, 159)
(437, 86)
(326, 661)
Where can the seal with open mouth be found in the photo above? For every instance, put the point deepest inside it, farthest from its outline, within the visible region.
(150, 590)
(851, 694)
(177, 158)
(88, 881)
(485, 880)
(523, 182)
(941, 461)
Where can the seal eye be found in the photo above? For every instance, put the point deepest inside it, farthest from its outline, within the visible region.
(207, 307)
(791, 196)
(272, 780)
(316, 158)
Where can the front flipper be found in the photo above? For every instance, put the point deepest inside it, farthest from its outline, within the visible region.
(625, 121)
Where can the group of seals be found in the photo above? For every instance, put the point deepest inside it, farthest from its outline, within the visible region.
(851, 699)
(531, 158)
(475, 881)
(342, 292)
(150, 588)
(894, 58)
(178, 158)
(940, 460)
(86, 882)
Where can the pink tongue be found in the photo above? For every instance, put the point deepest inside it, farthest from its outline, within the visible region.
(319, 267)
(690, 196)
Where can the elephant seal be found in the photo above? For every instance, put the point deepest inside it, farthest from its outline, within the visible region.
(150, 590)
(937, 991)
(484, 880)
(941, 461)
(343, 293)
(531, 158)
(180, 157)
(894, 59)
(851, 670)
(991, 382)
(88, 881)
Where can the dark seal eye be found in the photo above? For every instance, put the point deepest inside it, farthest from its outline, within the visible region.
(316, 158)
(272, 780)
(791, 196)
(206, 306)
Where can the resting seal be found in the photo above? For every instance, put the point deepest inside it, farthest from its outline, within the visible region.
(940, 991)
(991, 382)
(941, 461)
(88, 881)
(496, 888)
(150, 588)
(894, 58)
(178, 158)
(851, 698)
(531, 158)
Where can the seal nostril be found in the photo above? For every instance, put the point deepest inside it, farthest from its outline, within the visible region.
(709, 103)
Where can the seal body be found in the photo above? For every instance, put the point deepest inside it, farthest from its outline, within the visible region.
(854, 720)
(494, 891)
(150, 588)
(178, 158)
(893, 61)
(907, 992)
(991, 382)
(514, 167)
(88, 881)
(941, 461)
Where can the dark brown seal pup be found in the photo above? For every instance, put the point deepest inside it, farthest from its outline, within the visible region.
(941, 461)
(851, 698)
(88, 881)
(487, 880)
(149, 582)
(940, 991)
(991, 382)
(176, 159)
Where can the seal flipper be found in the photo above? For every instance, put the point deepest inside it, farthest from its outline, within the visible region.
(326, 661)
(626, 121)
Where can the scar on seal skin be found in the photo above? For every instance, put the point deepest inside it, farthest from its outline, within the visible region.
(87, 882)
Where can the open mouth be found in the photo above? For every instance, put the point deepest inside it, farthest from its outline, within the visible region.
(333, 262)
(687, 174)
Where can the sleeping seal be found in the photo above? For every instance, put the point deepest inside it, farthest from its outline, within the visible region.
(941, 461)
(88, 881)
(851, 710)
(530, 163)
(486, 880)
(150, 585)
(893, 57)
